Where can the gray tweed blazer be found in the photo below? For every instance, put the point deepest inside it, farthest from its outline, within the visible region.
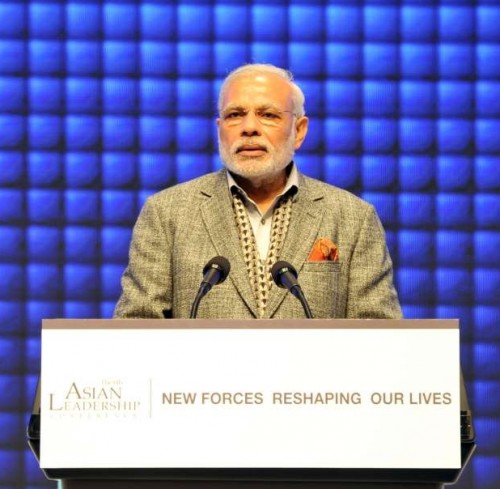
(181, 228)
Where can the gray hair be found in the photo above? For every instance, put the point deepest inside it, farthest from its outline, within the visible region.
(297, 94)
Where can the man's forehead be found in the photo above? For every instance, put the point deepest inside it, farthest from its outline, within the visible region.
(261, 88)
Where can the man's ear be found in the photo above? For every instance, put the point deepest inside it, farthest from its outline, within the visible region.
(301, 127)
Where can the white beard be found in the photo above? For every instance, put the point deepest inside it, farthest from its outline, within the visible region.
(259, 168)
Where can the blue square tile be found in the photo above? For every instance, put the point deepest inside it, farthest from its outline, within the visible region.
(380, 60)
(119, 133)
(385, 204)
(454, 248)
(46, 57)
(487, 21)
(13, 385)
(82, 206)
(12, 95)
(486, 362)
(487, 286)
(13, 133)
(488, 136)
(344, 60)
(157, 21)
(83, 95)
(118, 169)
(156, 170)
(121, 21)
(343, 23)
(488, 61)
(306, 59)
(11, 205)
(83, 20)
(488, 99)
(83, 57)
(45, 169)
(120, 57)
(342, 171)
(45, 131)
(81, 282)
(455, 136)
(261, 14)
(46, 20)
(379, 172)
(13, 20)
(119, 206)
(416, 248)
(454, 286)
(38, 310)
(190, 166)
(315, 96)
(486, 320)
(417, 135)
(415, 286)
(226, 17)
(115, 243)
(275, 53)
(228, 56)
(343, 98)
(315, 138)
(44, 244)
(417, 98)
(158, 133)
(416, 210)
(455, 210)
(158, 58)
(11, 168)
(81, 309)
(418, 23)
(486, 244)
(12, 243)
(194, 15)
(11, 357)
(456, 98)
(45, 206)
(380, 98)
(45, 281)
(13, 57)
(120, 96)
(344, 135)
(12, 317)
(46, 95)
(11, 424)
(411, 311)
(455, 173)
(157, 96)
(310, 165)
(487, 172)
(380, 135)
(381, 24)
(306, 23)
(82, 169)
(81, 244)
(418, 61)
(488, 392)
(456, 23)
(194, 97)
(33, 357)
(194, 134)
(194, 58)
(110, 281)
(487, 207)
(456, 61)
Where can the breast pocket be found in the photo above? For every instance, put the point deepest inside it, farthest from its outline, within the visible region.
(320, 283)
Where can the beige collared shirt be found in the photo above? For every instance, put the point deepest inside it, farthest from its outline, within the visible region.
(261, 223)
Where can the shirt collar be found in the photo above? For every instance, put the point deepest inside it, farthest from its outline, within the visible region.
(291, 183)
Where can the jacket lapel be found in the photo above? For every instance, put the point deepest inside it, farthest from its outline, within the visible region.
(218, 216)
(307, 214)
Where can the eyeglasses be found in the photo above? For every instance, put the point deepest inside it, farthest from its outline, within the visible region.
(268, 116)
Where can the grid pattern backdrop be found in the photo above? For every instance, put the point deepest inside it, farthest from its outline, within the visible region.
(103, 103)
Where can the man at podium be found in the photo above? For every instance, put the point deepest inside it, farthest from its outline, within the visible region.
(258, 210)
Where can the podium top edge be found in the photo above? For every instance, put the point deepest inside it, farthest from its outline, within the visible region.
(250, 324)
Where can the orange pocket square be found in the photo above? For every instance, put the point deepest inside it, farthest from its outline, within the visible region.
(324, 250)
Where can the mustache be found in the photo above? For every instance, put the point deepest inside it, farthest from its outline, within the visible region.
(241, 143)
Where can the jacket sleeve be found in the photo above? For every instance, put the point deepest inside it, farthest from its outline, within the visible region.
(146, 282)
(371, 292)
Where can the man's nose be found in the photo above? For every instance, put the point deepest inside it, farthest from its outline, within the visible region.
(250, 125)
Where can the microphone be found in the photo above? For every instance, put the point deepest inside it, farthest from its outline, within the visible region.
(285, 276)
(214, 273)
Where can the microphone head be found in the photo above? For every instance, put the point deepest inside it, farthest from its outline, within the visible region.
(279, 269)
(220, 264)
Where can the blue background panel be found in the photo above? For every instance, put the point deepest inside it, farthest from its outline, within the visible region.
(104, 103)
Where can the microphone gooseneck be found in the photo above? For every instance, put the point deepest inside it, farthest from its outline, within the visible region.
(285, 276)
(214, 273)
